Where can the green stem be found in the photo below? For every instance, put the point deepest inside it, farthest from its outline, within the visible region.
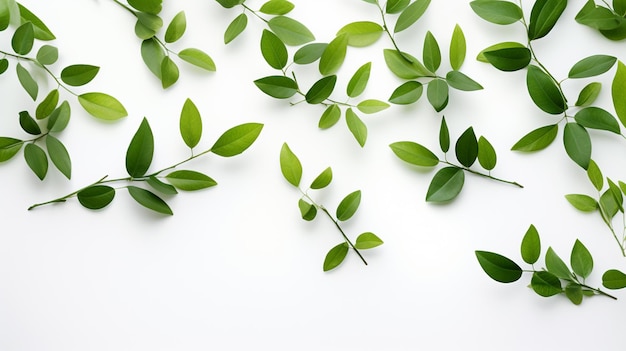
(34, 61)
(482, 174)
(64, 198)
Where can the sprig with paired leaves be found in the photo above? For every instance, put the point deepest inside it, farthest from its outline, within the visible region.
(154, 50)
(448, 181)
(549, 281)
(291, 169)
(139, 159)
(610, 21)
(544, 89)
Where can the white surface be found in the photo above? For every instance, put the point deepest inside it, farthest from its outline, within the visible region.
(236, 268)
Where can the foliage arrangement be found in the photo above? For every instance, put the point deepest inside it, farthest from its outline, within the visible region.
(291, 169)
(609, 20)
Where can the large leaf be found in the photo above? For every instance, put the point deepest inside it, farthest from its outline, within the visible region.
(543, 17)
(334, 55)
(537, 139)
(556, 266)
(321, 90)
(237, 139)
(460, 81)
(59, 155)
(577, 144)
(581, 260)
(190, 124)
(140, 151)
(431, 53)
(152, 54)
(544, 91)
(149, 200)
(592, 66)
(411, 14)
(466, 148)
(190, 180)
(26, 80)
(361, 34)
(503, 45)
(498, 12)
(102, 106)
(581, 202)
(445, 185)
(356, 127)
(335, 256)
(458, 48)
(597, 118)
(348, 206)
(290, 166)
(407, 93)
(279, 87)
(498, 267)
(290, 31)
(618, 92)
(273, 50)
(77, 75)
(414, 154)
(23, 39)
(36, 159)
(531, 245)
(96, 197)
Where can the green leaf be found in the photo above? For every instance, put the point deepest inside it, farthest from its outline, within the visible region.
(330, 117)
(396, 6)
(361, 34)
(150, 6)
(597, 17)
(149, 200)
(486, 154)
(614, 279)
(597, 118)
(498, 12)
(595, 175)
(356, 127)
(140, 151)
(321, 90)
(407, 93)
(5, 15)
(27, 81)
(411, 14)
(367, 241)
(404, 65)
(444, 136)
(581, 260)
(458, 48)
(358, 82)
(47, 105)
(498, 267)
(230, 3)
(176, 28)
(102, 106)
(237, 139)
(577, 144)
(41, 31)
(581, 202)
(9, 148)
(160, 186)
(190, 180)
(608, 206)
(28, 123)
(508, 59)
(197, 58)
(531, 245)
(59, 118)
(322, 180)
(460, 81)
(546, 284)
(235, 28)
(372, 106)
(446, 185)
(96, 197)
(618, 92)
(169, 72)
(574, 293)
(147, 25)
(290, 166)
(437, 94)
(77, 75)
(619, 6)
(544, 91)
(47, 55)
(414, 154)
(348, 206)
(589, 94)
(309, 53)
(23, 39)
(307, 210)
(543, 17)
(466, 148)
(59, 156)
(4, 65)
(36, 159)
(504, 45)
(556, 266)
(431, 52)
(537, 139)
(335, 256)
(334, 55)
(152, 54)
(290, 31)
(279, 87)
(190, 124)
(273, 50)
(277, 7)
(592, 66)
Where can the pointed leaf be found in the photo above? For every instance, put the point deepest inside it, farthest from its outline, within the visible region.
(77, 75)
(9, 147)
(618, 92)
(407, 93)
(589, 94)
(458, 48)
(290, 166)
(330, 117)
(504, 45)
(160, 186)
(307, 210)
(544, 91)
(149, 200)
(581, 202)
(237, 139)
(531, 245)
(41, 31)
(147, 25)
(358, 82)
(361, 34)
(334, 55)
(367, 241)
(556, 266)
(279, 87)
(411, 14)
(431, 53)
(323, 180)
(140, 151)
(335, 256)
(321, 90)
(96, 197)
(309, 53)
(574, 293)
(498, 12)
(356, 127)
(28, 123)
(508, 59)
(595, 175)
(466, 148)
(614, 279)
(486, 154)
(190, 124)
(414, 154)
(581, 260)
(543, 17)
(460, 81)
(437, 93)
(5, 15)
(372, 106)
(537, 139)
(236, 27)
(36, 159)
(27, 81)
(444, 136)
(498, 267)
(4, 65)
(47, 105)
(102, 106)
(273, 50)
(152, 54)
(290, 31)
(446, 185)
(197, 58)
(190, 180)
(592, 66)
(277, 7)
(169, 72)
(348, 206)
(176, 28)
(577, 144)
(59, 156)
(546, 284)
(23, 39)
(404, 65)
(597, 118)
(60, 117)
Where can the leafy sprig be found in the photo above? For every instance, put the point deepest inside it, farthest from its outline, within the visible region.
(610, 21)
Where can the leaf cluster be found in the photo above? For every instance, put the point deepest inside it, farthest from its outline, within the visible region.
(609, 20)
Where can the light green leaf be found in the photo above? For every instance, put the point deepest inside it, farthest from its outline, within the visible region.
(589, 94)
(618, 92)
(592, 66)
(322, 180)
(28, 123)
(544, 91)
(169, 72)
(9, 147)
(5, 15)
(543, 17)
(277, 7)
(597, 118)
(149, 200)
(236, 27)
(619, 6)
(577, 144)
(431, 53)
(334, 55)
(537, 139)
(581, 202)
(396, 6)
(230, 3)
(545, 284)
(444, 135)
(41, 31)
(531, 245)
(102, 106)
(460, 81)
(140, 151)
(330, 117)
(335, 256)
(27, 81)
(597, 17)
(290, 166)
(59, 118)
(152, 54)
(504, 45)
(614, 279)
(608, 206)
(486, 154)
(466, 148)
(150, 6)
(96, 197)
(190, 180)
(36, 159)
(237, 139)
(411, 14)
(348, 206)
(404, 65)
(47, 55)
(556, 266)
(372, 106)
(176, 28)
(309, 53)
(574, 293)
(414, 154)
(446, 185)
(23, 39)
(581, 260)
(437, 93)
(498, 267)
(147, 25)
(361, 34)
(190, 124)
(458, 48)
(359, 80)
(367, 241)
(77, 75)
(197, 58)
(160, 186)
(498, 12)
(307, 210)
(279, 87)
(356, 127)
(290, 31)
(321, 90)
(59, 155)
(273, 50)
(407, 93)
(508, 59)
(595, 175)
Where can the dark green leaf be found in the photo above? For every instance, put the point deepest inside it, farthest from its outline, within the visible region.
(334, 55)
(348, 206)
(169, 72)
(372, 106)
(531, 245)
(9, 148)
(556, 266)
(358, 82)
(335, 256)
(190, 124)
(544, 92)
(60, 117)
(309, 53)
(28, 124)
(595, 175)
(618, 92)
(546, 284)
(237, 139)
(486, 154)
(23, 39)
(149, 200)
(414, 154)
(574, 293)
(290, 31)
(150, 6)
(41, 31)
(279, 87)
(508, 59)
(277, 7)
(404, 65)
(321, 90)
(504, 45)
(361, 34)
(140, 151)
(190, 180)
(290, 166)
(466, 148)
(96, 197)
(396, 6)
(230, 3)
(437, 94)
(543, 17)
(307, 210)
(431, 53)
(460, 81)
(4, 65)
(236, 27)
(592, 66)
(407, 93)
(59, 155)
(581, 202)
(36, 159)
(176, 28)
(577, 144)
(537, 139)
(152, 54)
(498, 12)
(273, 50)
(356, 127)
(27, 81)
(197, 58)
(458, 48)
(102, 106)
(597, 118)
(367, 241)
(589, 94)
(498, 267)
(444, 136)
(47, 105)
(614, 279)
(446, 185)
(160, 186)
(77, 75)
(330, 117)
(323, 180)
(581, 260)
(411, 14)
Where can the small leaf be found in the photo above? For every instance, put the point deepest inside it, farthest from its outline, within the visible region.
(235, 28)
(27, 81)
(486, 154)
(367, 241)
(169, 72)
(23, 39)
(498, 267)
(544, 91)
(445, 185)
(414, 154)
(152, 54)
(273, 50)
(444, 136)
(47, 105)
(618, 92)
(543, 17)
(335, 256)
(230, 3)
(396, 6)
(9, 147)
(59, 156)
(407, 93)
(581, 260)
(197, 58)
(597, 118)
(498, 12)
(279, 87)
(508, 59)
(410, 15)
(537, 139)
(334, 55)
(595, 175)
(372, 106)
(237, 139)
(190, 180)
(149, 200)
(546, 284)
(309, 53)
(348, 206)
(140, 151)
(437, 93)
(404, 65)
(458, 48)
(556, 266)
(460, 81)
(290, 31)
(277, 7)
(431, 52)
(574, 293)
(614, 279)
(577, 144)
(59, 118)
(581, 202)
(28, 123)
(41, 31)
(290, 166)
(592, 66)
(5, 15)
(4, 65)
(96, 197)
(47, 55)
(321, 90)
(361, 34)
(589, 94)
(102, 106)
(36, 159)
(358, 82)
(531, 245)
(466, 148)
(330, 117)
(190, 124)
(160, 186)
(307, 210)
(323, 180)
(356, 127)
(504, 45)
(176, 28)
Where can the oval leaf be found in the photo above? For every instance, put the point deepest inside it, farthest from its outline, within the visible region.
(321, 90)
(367, 241)
(410, 15)
(597, 118)
(102, 106)
(59, 156)
(437, 93)
(77, 75)
(508, 59)
(290, 31)
(556, 266)
(176, 28)
(356, 127)
(9, 148)
(581, 202)
(28, 123)
(335, 256)
(152, 54)
(361, 34)
(458, 48)
(589, 94)
(190, 124)
(498, 267)
(273, 50)
(446, 185)
(486, 154)
(190, 180)
(358, 82)
(614, 279)
(348, 206)
(330, 117)
(545, 284)
(581, 260)
(466, 148)
(169, 72)
(414, 154)
(237, 139)
(197, 58)
(537, 139)
(27, 81)
(407, 93)
(236, 27)
(543, 17)
(372, 106)
(333, 56)
(36, 159)
(309, 53)
(592, 66)
(544, 92)
(23, 39)
(618, 92)
(140, 151)
(279, 87)
(323, 180)
(96, 197)
(149, 200)
(531, 245)
(290, 166)
(577, 144)
(498, 12)
(460, 81)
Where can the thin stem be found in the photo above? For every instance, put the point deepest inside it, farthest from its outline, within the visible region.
(482, 174)
(386, 29)
(25, 58)
(617, 239)
(64, 198)
(255, 13)
(126, 7)
(598, 291)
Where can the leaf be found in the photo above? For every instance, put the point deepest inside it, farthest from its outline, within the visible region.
(140, 151)
(160, 186)
(577, 144)
(237, 139)
(617, 194)
(96, 197)
(190, 180)
(618, 92)
(372, 106)
(273, 50)
(348, 206)
(279, 87)
(190, 124)
(41, 30)
(574, 293)
(597, 118)
(5, 15)
(367, 241)
(486, 154)
(595, 175)
(321, 90)
(335, 256)
(27, 81)
(230, 3)
(23, 39)
(545, 284)
(277, 7)
(537, 139)
(444, 136)
(358, 82)
(36, 159)
(290, 31)
(149, 200)
(431, 53)
(608, 206)
(150, 6)
(543, 17)
(235, 28)
(176, 29)
(466, 148)
(330, 117)
(614, 279)
(309, 53)
(581, 260)
(152, 54)
(597, 17)
(147, 25)
(592, 66)
(458, 48)
(504, 45)
(581, 202)
(334, 55)
(460, 81)
(414, 154)
(59, 118)
(404, 65)
(531, 245)
(544, 91)
(197, 58)
(497, 12)
(169, 72)
(28, 123)
(396, 6)
(4, 65)
(59, 156)
(588, 94)
(446, 185)
(410, 15)
(9, 148)
(47, 105)
(322, 180)
(356, 127)
(619, 6)
(290, 166)
(407, 93)
(498, 267)
(361, 34)
(102, 106)
(508, 59)
(77, 75)
(556, 266)
(437, 94)
(307, 210)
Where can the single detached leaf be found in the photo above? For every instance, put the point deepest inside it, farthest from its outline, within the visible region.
(460, 81)
(372, 106)
(307, 210)
(486, 154)
(277, 7)
(176, 28)
(290, 166)
(498, 267)
(504, 45)
(597, 118)
(41, 30)
(414, 154)
(235, 28)
(589, 94)
(47, 105)
(335, 256)
(77, 75)
(323, 180)
(237, 139)
(102, 106)
(59, 118)
(309, 53)
(396, 6)
(446, 185)
(152, 54)
(556, 266)
(581, 202)
(59, 156)
(190, 180)
(543, 17)
(140, 151)
(273, 50)
(330, 117)
(279, 87)
(544, 92)
(334, 55)
(96, 197)
(458, 48)
(437, 93)
(23, 39)
(28, 123)
(592, 66)
(9, 148)
(407, 93)
(411, 14)
(160, 186)
(149, 200)
(36, 159)
(618, 92)
(169, 72)
(431, 53)
(444, 136)
(595, 175)
(577, 144)
(466, 148)
(614, 279)
(358, 82)
(498, 12)
(27, 81)
(356, 127)
(348, 206)
(404, 65)
(290, 31)
(361, 34)
(537, 139)
(531, 245)
(190, 124)
(367, 241)
(321, 90)
(546, 284)
(508, 59)
(197, 58)
(581, 260)
(574, 293)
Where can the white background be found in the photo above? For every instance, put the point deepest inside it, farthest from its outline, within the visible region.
(236, 268)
